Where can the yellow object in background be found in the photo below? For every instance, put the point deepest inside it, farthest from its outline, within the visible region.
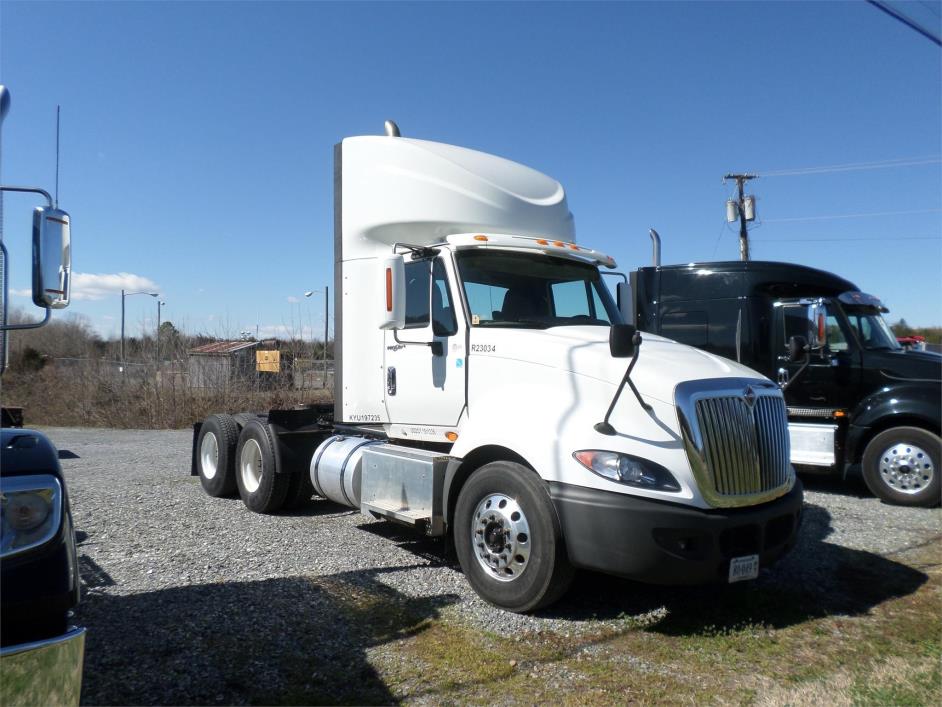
(268, 361)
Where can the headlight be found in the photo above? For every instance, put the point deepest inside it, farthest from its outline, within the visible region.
(30, 512)
(626, 469)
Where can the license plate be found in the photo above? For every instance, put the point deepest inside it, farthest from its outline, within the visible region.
(742, 568)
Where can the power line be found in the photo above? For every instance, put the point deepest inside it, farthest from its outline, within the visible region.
(858, 215)
(853, 166)
(909, 22)
(888, 239)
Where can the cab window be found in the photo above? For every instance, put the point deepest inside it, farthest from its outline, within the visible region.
(419, 297)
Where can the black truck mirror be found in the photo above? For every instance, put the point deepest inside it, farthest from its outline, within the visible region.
(621, 340)
(797, 347)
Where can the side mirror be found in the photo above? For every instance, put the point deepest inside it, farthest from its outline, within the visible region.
(622, 340)
(624, 297)
(817, 315)
(394, 287)
(52, 258)
(797, 347)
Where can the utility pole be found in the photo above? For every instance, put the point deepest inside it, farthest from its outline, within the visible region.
(744, 209)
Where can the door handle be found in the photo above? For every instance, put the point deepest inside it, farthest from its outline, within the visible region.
(391, 380)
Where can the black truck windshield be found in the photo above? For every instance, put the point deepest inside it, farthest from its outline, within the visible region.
(530, 290)
(871, 329)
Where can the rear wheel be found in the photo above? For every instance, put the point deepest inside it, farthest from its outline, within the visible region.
(901, 465)
(261, 487)
(215, 455)
(508, 539)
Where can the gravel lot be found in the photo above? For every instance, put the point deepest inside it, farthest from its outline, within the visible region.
(190, 599)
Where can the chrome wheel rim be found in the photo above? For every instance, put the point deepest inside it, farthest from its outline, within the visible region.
(906, 468)
(209, 455)
(250, 465)
(501, 538)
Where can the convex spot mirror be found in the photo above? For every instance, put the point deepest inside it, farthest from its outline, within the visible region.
(797, 346)
(52, 258)
(393, 275)
(622, 340)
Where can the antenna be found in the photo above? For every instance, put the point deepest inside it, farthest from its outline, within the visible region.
(57, 156)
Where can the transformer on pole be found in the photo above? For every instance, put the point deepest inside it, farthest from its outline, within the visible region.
(743, 209)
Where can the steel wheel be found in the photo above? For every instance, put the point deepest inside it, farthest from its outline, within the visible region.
(250, 465)
(209, 455)
(901, 465)
(906, 467)
(215, 455)
(508, 539)
(501, 536)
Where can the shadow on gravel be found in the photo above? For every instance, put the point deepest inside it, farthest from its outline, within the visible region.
(852, 486)
(277, 641)
(816, 579)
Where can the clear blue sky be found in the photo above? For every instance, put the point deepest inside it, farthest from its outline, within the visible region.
(197, 138)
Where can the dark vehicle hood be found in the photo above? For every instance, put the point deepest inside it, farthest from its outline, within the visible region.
(906, 365)
(25, 451)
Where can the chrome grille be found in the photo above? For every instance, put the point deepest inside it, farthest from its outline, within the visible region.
(746, 448)
(739, 451)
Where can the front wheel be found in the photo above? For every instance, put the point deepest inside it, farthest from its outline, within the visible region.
(901, 466)
(508, 539)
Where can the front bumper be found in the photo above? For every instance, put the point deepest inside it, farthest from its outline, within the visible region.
(45, 672)
(665, 543)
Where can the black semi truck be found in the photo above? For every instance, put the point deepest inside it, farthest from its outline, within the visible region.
(856, 400)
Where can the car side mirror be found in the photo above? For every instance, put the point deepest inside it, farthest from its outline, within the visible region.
(52, 258)
(622, 340)
(394, 287)
(797, 347)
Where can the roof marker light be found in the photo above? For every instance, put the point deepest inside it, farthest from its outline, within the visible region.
(560, 244)
(573, 246)
(542, 241)
(480, 238)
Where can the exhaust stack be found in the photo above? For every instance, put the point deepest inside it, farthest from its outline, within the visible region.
(656, 243)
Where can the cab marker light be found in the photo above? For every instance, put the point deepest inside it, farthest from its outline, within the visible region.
(559, 244)
(542, 241)
(480, 238)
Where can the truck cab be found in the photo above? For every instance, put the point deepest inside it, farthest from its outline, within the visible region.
(487, 389)
(856, 400)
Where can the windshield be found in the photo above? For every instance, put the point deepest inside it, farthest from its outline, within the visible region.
(507, 289)
(871, 329)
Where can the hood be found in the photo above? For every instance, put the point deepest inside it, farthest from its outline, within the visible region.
(583, 350)
(906, 365)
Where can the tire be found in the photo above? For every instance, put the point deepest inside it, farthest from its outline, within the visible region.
(505, 497)
(901, 466)
(216, 454)
(261, 487)
(300, 490)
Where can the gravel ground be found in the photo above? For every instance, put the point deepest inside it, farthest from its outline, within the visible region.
(190, 599)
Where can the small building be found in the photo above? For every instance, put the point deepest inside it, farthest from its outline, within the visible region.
(221, 363)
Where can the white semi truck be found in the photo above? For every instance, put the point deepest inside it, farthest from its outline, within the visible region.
(486, 388)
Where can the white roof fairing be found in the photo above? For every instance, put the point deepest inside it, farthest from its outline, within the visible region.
(398, 189)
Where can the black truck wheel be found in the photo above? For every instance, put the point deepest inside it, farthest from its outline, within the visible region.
(215, 455)
(262, 489)
(901, 466)
(508, 538)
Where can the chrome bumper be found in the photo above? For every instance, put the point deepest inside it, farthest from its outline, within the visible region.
(44, 672)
